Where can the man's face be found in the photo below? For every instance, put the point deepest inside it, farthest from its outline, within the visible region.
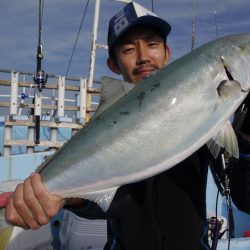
(141, 52)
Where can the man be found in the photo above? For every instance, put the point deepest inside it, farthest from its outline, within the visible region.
(167, 211)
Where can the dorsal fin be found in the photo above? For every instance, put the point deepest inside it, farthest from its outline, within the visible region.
(112, 90)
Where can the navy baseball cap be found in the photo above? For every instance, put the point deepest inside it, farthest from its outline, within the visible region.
(132, 15)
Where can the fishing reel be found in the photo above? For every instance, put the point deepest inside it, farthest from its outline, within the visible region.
(214, 227)
(40, 78)
(215, 231)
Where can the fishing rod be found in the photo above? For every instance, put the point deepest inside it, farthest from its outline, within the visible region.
(40, 77)
(193, 27)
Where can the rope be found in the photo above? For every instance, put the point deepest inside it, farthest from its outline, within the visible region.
(70, 60)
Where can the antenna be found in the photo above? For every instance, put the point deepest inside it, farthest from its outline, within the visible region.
(193, 27)
(216, 23)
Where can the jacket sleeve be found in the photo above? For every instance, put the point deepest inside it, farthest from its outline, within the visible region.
(240, 180)
(238, 169)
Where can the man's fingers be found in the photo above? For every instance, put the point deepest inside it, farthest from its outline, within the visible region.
(22, 208)
(50, 203)
(33, 204)
(12, 215)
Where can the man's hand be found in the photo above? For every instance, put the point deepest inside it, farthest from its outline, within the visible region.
(31, 205)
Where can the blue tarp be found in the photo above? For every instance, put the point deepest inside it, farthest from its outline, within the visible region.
(20, 133)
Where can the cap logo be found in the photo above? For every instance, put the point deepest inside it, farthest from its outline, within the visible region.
(121, 22)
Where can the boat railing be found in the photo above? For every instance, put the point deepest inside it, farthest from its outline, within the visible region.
(62, 103)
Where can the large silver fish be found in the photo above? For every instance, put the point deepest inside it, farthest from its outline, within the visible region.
(157, 124)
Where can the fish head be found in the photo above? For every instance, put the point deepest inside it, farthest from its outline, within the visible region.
(236, 60)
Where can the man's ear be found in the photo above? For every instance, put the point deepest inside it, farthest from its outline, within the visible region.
(114, 67)
(167, 55)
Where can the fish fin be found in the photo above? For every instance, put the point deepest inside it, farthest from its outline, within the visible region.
(5, 235)
(227, 88)
(225, 138)
(112, 90)
(213, 147)
(103, 198)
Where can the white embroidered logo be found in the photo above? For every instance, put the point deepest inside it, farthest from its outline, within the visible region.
(120, 23)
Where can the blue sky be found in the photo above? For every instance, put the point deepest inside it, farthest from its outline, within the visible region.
(19, 30)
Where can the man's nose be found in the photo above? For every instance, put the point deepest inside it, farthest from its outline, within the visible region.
(142, 55)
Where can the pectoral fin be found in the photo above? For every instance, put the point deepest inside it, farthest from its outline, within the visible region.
(225, 138)
(228, 88)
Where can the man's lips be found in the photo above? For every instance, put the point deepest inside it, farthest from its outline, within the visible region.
(145, 71)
